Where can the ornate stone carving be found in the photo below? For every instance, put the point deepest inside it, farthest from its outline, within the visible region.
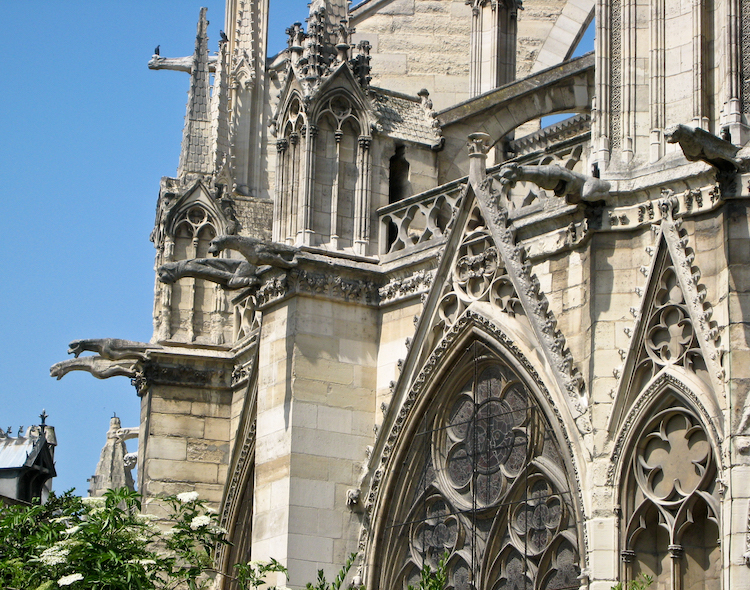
(414, 284)
(112, 349)
(386, 444)
(99, 367)
(481, 451)
(231, 273)
(419, 220)
(575, 187)
(257, 252)
(699, 145)
(150, 373)
(478, 275)
(675, 323)
(671, 486)
(534, 303)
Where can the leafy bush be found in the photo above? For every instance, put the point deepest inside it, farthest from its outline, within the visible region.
(642, 582)
(107, 544)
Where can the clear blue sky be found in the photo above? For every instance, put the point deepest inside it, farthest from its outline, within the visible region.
(87, 131)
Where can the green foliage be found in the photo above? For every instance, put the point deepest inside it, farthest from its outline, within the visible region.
(253, 573)
(433, 580)
(642, 582)
(106, 544)
(322, 584)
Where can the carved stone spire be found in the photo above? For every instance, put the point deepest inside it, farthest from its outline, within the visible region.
(195, 156)
(336, 12)
(220, 128)
(115, 464)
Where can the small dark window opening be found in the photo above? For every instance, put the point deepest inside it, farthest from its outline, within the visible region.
(398, 180)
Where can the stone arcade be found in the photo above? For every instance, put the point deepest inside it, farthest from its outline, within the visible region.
(395, 316)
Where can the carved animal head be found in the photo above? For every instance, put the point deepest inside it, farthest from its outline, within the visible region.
(217, 245)
(675, 133)
(58, 370)
(167, 273)
(76, 347)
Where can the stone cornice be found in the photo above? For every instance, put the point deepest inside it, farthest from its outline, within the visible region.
(182, 370)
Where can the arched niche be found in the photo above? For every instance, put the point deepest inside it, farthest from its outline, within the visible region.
(482, 473)
(669, 496)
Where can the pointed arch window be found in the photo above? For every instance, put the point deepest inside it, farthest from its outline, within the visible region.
(323, 176)
(669, 498)
(193, 301)
(484, 480)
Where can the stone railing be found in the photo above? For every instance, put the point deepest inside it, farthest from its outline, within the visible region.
(419, 218)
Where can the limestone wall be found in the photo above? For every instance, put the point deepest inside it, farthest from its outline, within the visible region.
(316, 385)
(418, 44)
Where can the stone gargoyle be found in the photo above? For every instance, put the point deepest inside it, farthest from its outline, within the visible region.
(178, 64)
(99, 367)
(257, 252)
(700, 145)
(112, 349)
(574, 186)
(229, 272)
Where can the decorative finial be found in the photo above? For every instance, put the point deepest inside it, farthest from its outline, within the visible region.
(43, 417)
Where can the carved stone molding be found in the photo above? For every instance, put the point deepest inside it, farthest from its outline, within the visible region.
(150, 373)
(329, 285)
(400, 288)
(535, 304)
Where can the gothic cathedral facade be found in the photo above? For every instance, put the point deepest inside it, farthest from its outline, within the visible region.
(395, 315)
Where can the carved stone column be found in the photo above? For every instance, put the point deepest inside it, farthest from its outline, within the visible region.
(627, 556)
(675, 552)
(700, 118)
(190, 287)
(338, 134)
(163, 311)
(292, 192)
(280, 208)
(602, 113)
(492, 58)
(657, 69)
(362, 197)
(305, 229)
(738, 69)
(217, 315)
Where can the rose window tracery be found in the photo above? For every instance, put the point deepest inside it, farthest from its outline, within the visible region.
(488, 492)
(537, 518)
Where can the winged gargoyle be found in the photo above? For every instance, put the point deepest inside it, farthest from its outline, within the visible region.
(233, 274)
(99, 367)
(257, 252)
(574, 186)
(112, 349)
(699, 145)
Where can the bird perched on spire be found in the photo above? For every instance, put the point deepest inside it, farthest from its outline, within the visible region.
(156, 50)
(223, 36)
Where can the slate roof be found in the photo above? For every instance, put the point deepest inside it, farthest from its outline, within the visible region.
(404, 117)
(20, 451)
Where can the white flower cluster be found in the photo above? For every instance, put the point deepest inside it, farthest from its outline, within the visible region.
(54, 555)
(200, 521)
(72, 530)
(185, 497)
(93, 501)
(68, 580)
